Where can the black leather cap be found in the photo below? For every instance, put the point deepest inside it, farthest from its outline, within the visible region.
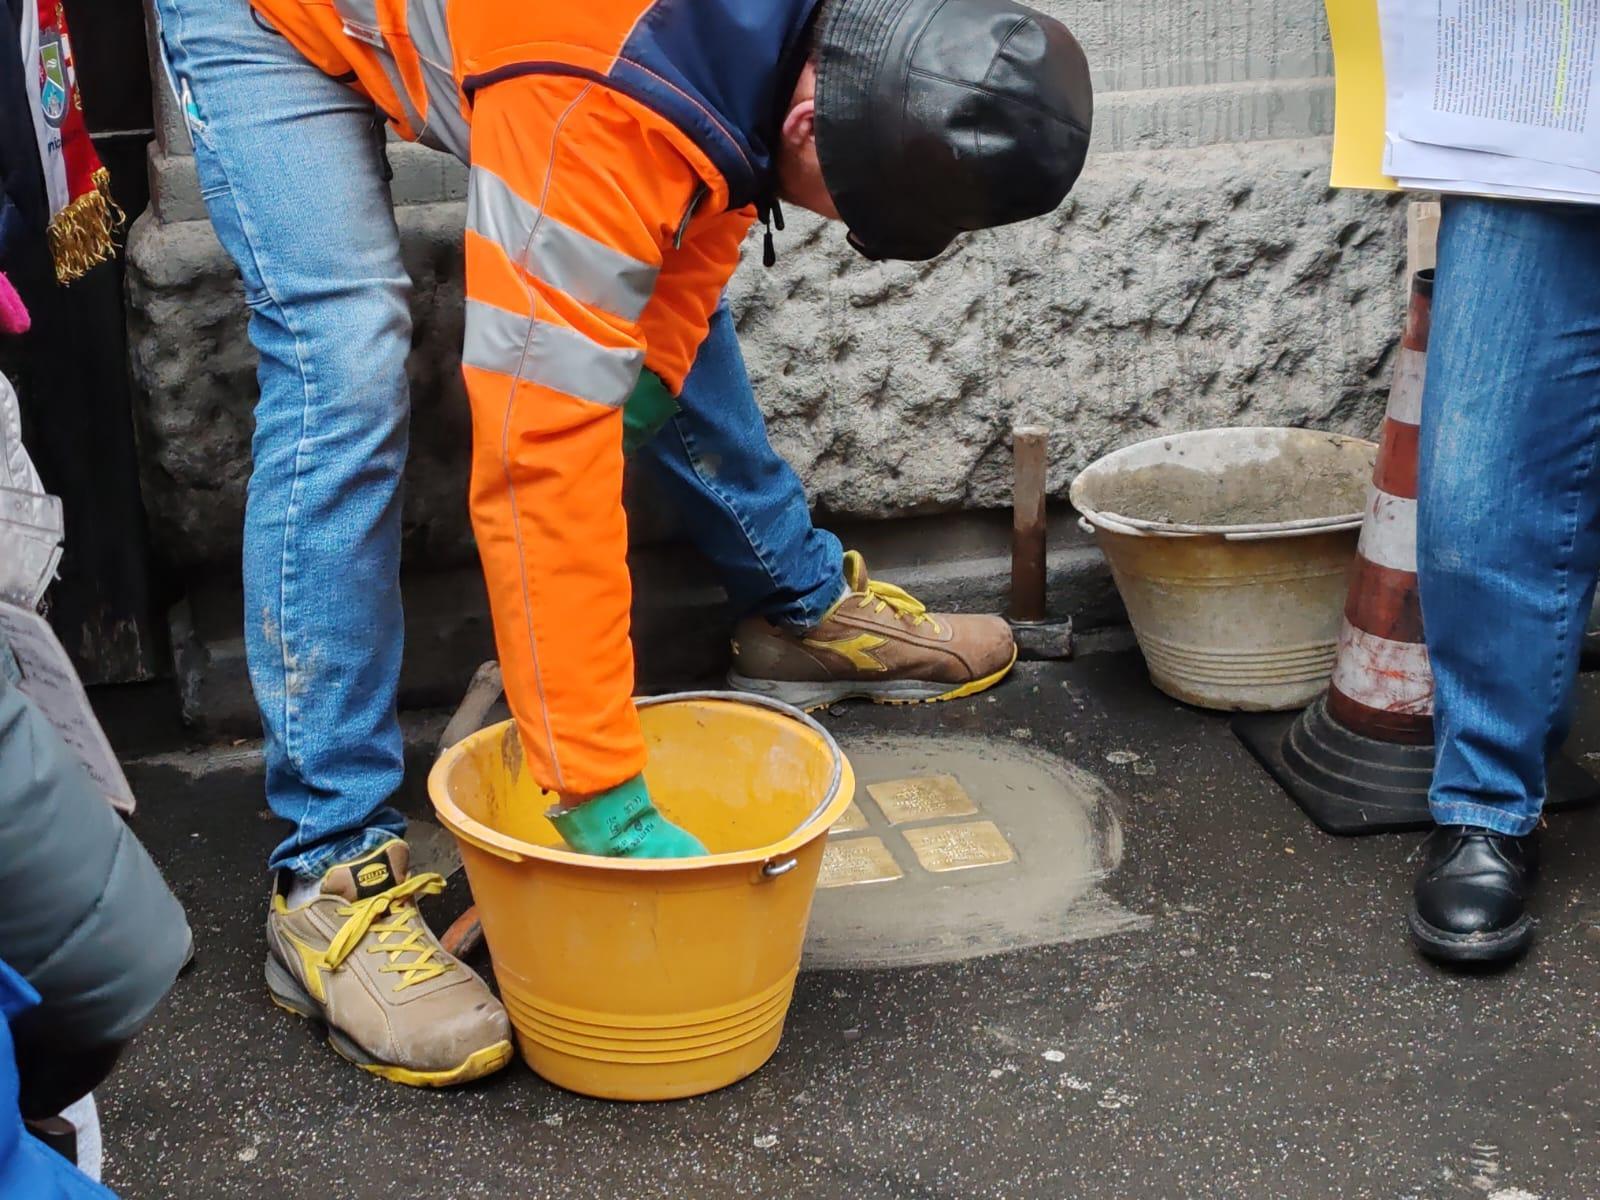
(935, 117)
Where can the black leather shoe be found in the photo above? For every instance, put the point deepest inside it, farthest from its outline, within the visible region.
(1471, 899)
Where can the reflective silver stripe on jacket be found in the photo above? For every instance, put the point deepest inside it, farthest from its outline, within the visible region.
(587, 270)
(549, 355)
(430, 37)
(409, 111)
(444, 127)
(363, 13)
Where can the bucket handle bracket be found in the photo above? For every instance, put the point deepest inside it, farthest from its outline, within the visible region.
(776, 867)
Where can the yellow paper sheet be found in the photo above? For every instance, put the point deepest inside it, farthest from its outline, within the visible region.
(1359, 103)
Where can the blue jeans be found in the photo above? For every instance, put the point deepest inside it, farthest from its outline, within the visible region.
(1508, 535)
(737, 500)
(292, 172)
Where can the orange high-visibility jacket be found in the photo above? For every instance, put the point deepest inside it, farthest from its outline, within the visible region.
(617, 148)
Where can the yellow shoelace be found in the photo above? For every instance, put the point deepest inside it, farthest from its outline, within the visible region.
(400, 903)
(880, 595)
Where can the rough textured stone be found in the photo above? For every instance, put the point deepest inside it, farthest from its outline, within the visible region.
(1176, 289)
(196, 369)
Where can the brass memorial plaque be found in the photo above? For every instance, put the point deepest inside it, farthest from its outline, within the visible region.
(923, 798)
(958, 847)
(852, 821)
(850, 861)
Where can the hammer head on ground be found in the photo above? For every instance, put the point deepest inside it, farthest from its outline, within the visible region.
(1042, 641)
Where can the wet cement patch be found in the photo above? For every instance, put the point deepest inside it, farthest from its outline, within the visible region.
(1309, 476)
(991, 845)
(1269, 1035)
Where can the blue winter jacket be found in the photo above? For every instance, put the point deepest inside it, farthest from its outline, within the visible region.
(29, 1170)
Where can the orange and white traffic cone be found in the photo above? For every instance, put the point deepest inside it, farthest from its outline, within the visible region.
(1382, 685)
(1360, 758)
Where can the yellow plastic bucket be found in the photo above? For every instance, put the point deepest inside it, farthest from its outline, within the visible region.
(653, 979)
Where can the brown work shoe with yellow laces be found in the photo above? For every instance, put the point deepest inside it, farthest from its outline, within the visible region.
(878, 643)
(360, 958)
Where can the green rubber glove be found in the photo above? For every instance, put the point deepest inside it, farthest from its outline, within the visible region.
(649, 407)
(623, 823)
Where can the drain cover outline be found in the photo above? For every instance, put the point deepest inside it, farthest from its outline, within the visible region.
(1025, 866)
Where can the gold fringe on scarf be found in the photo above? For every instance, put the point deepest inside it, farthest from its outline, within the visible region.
(80, 234)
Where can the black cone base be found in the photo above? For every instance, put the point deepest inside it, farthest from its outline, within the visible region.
(1349, 784)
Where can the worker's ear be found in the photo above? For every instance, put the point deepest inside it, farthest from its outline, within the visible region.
(800, 126)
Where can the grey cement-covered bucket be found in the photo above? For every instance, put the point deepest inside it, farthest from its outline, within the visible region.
(1231, 549)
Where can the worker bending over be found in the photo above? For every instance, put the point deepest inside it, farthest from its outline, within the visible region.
(619, 152)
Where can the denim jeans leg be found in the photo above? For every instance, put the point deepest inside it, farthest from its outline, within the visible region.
(1508, 536)
(291, 170)
(740, 503)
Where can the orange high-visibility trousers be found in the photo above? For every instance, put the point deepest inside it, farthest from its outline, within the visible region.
(598, 242)
(588, 258)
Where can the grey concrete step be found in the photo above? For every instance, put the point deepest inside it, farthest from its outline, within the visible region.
(681, 622)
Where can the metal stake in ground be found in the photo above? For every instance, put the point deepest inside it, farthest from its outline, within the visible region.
(1039, 635)
(1360, 758)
